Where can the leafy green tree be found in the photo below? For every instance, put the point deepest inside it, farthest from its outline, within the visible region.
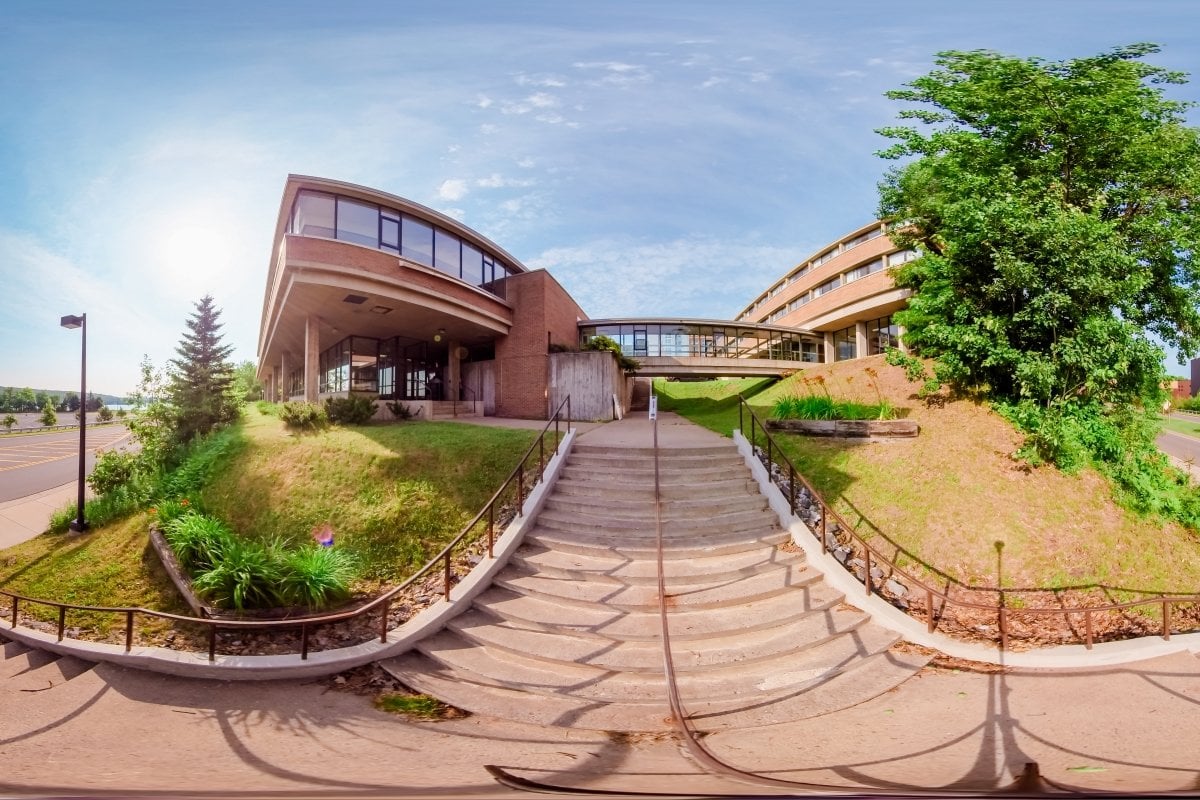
(1054, 208)
(201, 378)
(8, 422)
(48, 417)
(105, 413)
(153, 420)
(70, 402)
(246, 385)
(26, 400)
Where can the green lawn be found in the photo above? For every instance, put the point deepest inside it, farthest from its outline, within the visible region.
(1186, 427)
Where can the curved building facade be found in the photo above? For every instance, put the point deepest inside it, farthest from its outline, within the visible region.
(371, 293)
(842, 294)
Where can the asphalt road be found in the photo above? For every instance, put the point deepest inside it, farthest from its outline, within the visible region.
(32, 463)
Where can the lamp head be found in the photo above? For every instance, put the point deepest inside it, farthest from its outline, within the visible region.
(71, 321)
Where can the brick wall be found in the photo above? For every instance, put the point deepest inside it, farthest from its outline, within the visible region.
(543, 313)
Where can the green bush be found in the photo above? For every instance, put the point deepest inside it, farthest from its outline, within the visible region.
(200, 542)
(602, 342)
(352, 410)
(248, 574)
(267, 408)
(196, 463)
(1189, 404)
(113, 469)
(818, 407)
(306, 416)
(317, 576)
(105, 414)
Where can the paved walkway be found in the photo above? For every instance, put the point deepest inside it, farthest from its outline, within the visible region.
(26, 517)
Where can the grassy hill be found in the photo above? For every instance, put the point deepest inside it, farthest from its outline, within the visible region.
(946, 498)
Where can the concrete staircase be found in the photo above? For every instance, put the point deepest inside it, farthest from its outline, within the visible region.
(449, 410)
(569, 633)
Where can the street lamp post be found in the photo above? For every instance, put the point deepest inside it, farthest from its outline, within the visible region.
(70, 321)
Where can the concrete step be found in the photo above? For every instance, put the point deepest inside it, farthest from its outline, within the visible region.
(584, 448)
(639, 597)
(667, 474)
(625, 459)
(610, 508)
(641, 544)
(545, 612)
(865, 680)
(425, 675)
(868, 679)
(736, 485)
(679, 570)
(585, 527)
(735, 681)
(742, 647)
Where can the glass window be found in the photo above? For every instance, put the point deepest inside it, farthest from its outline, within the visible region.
(313, 214)
(881, 334)
(447, 253)
(821, 259)
(472, 265)
(417, 241)
(357, 222)
(364, 365)
(844, 344)
(389, 230)
(826, 287)
(902, 257)
(387, 369)
(811, 351)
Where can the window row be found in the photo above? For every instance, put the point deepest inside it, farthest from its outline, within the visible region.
(345, 219)
(711, 341)
(861, 271)
(390, 368)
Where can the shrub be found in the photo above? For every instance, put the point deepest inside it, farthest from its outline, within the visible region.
(8, 422)
(113, 469)
(168, 510)
(602, 342)
(105, 414)
(1190, 404)
(352, 410)
(306, 416)
(317, 576)
(248, 574)
(200, 542)
(267, 408)
(48, 417)
(400, 410)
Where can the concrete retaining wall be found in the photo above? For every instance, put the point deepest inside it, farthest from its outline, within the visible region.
(592, 379)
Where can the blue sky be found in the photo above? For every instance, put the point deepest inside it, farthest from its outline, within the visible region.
(658, 158)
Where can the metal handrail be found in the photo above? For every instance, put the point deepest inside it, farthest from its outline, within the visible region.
(306, 622)
(874, 557)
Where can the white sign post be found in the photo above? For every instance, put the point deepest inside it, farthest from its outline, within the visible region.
(653, 406)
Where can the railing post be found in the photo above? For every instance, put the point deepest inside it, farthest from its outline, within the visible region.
(541, 458)
(303, 641)
(491, 529)
(212, 642)
(128, 630)
(383, 621)
(14, 611)
(1167, 619)
(867, 579)
(929, 626)
(792, 488)
(1002, 618)
(62, 621)
(446, 578)
(568, 412)
(520, 487)
(824, 526)
(1087, 628)
(741, 425)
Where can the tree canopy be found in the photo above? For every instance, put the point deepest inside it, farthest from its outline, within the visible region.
(1054, 207)
(1054, 204)
(201, 376)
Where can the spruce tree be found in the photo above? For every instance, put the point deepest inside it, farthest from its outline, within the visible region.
(202, 375)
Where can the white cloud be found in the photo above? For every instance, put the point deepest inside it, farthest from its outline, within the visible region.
(617, 73)
(713, 81)
(497, 181)
(453, 189)
(484, 101)
(546, 81)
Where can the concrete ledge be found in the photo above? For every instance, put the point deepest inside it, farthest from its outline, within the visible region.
(1071, 656)
(256, 668)
(848, 428)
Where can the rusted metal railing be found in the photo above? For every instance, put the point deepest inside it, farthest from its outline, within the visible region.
(492, 512)
(827, 525)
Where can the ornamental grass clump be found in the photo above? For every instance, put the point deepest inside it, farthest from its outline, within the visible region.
(823, 407)
(248, 574)
(199, 541)
(317, 576)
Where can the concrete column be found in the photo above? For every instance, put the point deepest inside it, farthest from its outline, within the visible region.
(284, 378)
(312, 352)
(453, 371)
(830, 350)
(860, 339)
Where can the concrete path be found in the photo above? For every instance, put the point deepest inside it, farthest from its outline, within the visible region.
(27, 517)
(117, 731)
